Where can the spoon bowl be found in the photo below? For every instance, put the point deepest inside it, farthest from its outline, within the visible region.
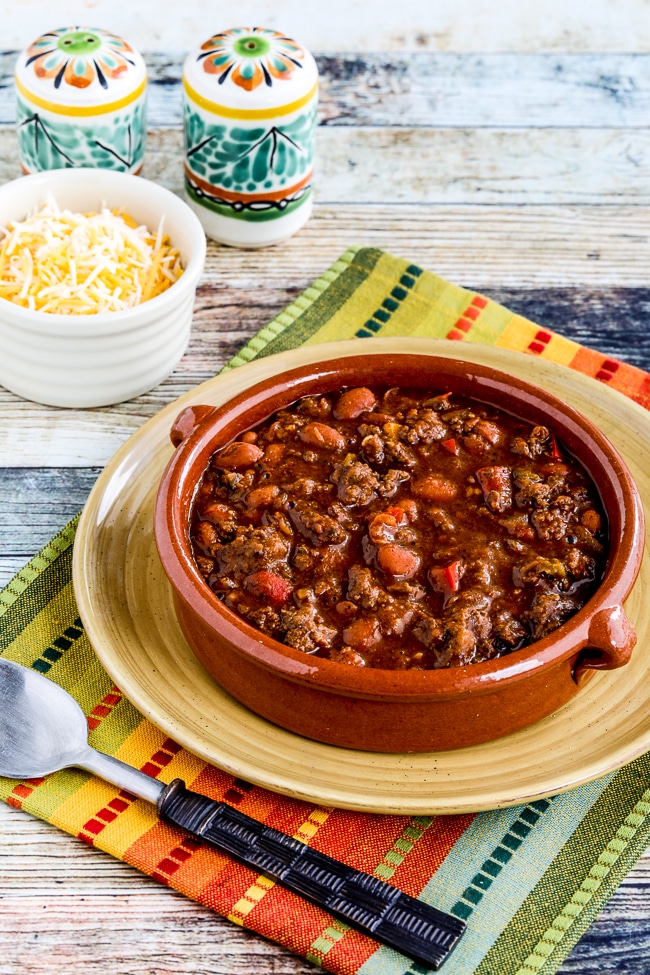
(42, 728)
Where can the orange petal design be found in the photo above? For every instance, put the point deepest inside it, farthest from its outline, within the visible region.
(216, 40)
(78, 80)
(42, 72)
(212, 68)
(248, 83)
(284, 73)
(115, 72)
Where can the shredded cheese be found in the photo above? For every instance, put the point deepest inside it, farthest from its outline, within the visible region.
(70, 263)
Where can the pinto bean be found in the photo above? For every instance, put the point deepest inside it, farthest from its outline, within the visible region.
(217, 513)
(398, 561)
(262, 497)
(237, 454)
(249, 437)
(362, 632)
(273, 454)
(206, 536)
(322, 435)
(268, 585)
(353, 402)
(434, 487)
(346, 609)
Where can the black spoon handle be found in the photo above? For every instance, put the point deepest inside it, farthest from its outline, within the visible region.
(411, 926)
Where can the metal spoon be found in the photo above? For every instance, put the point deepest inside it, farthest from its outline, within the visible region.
(43, 729)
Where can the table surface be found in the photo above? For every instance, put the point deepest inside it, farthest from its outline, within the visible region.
(525, 176)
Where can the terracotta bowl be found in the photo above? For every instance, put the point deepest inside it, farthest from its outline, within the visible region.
(386, 710)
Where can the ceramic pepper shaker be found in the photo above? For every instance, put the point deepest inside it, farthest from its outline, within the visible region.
(81, 99)
(250, 100)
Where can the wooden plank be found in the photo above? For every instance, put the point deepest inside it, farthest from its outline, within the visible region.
(439, 90)
(502, 166)
(341, 25)
(34, 505)
(447, 166)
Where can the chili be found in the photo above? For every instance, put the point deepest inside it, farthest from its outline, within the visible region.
(396, 529)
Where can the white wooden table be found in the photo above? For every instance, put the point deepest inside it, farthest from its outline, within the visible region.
(526, 176)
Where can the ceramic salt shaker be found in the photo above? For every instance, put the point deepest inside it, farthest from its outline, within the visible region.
(81, 101)
(250, 100)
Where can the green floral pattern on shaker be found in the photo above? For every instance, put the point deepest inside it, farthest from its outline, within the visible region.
(250, 158)
(45, 143)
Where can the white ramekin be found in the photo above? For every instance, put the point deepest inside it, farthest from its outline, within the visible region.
(95, 360)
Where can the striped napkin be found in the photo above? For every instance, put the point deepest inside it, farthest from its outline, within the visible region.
(527, 880)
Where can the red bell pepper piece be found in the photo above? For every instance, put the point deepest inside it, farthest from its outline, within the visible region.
(445, 579)
(450, 445)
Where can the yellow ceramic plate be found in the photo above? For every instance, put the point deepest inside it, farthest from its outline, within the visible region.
(125, 603)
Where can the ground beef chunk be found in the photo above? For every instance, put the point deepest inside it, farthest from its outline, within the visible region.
(580, 566)
(266, 619)
(461, 421)
(316, 527)
(391, 481)
(473, 607)
(356, 483)
(362, 589)
(428, 630)
(304, 629)
(424, 426)
(373, 449)
(586, 539)
(316, 407)
(534, 444)
(440, 520)
(251, 550)
(237, 484)
(531, 490)
(459, 646)
(399, 453)
(467, 626)
(411, 590)
(304, 558)
(506, 629)
(395, 616)
(540, 572)
(550, 522)
(549, 610)
(303, 487)
(206, 565)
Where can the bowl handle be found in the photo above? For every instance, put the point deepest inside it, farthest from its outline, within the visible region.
(610, 642)
(187, 421)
